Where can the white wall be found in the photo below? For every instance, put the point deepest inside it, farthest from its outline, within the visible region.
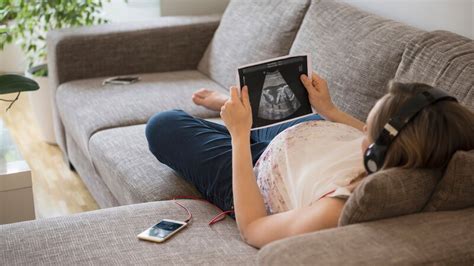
(132, 10)
(192, 7)
(451, 15)
(12, 59)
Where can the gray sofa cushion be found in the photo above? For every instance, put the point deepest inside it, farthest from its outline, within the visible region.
(389, 193)
(439, 238)
(86, 106)
(108, 237)
(251, 30)
(357, 52)
(88, 173)
(130, 170)
(441, 59)
(456, 189)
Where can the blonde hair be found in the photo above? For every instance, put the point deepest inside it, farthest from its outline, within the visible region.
(431, 138)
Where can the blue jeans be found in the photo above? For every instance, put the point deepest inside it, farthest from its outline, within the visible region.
(201, 151)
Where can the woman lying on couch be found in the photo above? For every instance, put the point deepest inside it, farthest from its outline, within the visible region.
(294, 178)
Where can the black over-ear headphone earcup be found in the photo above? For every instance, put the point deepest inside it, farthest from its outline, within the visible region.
(374, 157)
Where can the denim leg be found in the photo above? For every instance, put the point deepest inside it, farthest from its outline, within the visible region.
(200, 151)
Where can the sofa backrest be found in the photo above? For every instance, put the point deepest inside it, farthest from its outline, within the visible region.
(251, 31)
(456, 189)
(442, 59)
(358, 53)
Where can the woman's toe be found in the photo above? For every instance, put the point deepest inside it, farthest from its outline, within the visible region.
(198, 99)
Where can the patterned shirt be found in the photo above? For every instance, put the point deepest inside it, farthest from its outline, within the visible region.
(307, 161)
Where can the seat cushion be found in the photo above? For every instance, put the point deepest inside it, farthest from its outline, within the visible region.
(129, 169)
(390, 193)
(442, 59)
(108, 237)
(356, 52)
(456, 189)
(86, 106)
(250, 31)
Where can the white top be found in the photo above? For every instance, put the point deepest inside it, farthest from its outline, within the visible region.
(307, 161)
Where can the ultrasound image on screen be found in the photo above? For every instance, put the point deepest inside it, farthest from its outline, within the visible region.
(276, 92)
(277, 100)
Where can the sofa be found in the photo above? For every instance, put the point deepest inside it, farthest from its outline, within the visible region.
(395, 217)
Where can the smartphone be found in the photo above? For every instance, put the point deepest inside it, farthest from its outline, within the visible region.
(162, 230)
(121, 80)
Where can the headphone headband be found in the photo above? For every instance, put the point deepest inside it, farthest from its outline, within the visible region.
(375, 155)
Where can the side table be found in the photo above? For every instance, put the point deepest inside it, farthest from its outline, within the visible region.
(16, 193)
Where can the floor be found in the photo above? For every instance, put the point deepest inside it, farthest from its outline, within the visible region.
(57, 190)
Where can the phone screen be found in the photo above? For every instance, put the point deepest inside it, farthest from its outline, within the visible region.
(163, 229)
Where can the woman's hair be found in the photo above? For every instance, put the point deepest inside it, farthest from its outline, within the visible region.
(431, 138)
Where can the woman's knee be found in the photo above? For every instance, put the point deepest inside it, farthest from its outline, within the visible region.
(161, 129)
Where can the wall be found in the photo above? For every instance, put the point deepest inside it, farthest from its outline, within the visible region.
(451, 15)
(132, 10)
(192, 7)
(12, 59)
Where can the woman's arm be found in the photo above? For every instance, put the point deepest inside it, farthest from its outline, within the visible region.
(320, 99)
(255, 227)
(322, 214)
(248, 201)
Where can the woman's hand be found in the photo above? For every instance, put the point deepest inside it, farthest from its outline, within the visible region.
(319, 95)
(237, 113)
(321, 101)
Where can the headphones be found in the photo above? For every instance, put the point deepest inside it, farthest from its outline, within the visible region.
(374, 156)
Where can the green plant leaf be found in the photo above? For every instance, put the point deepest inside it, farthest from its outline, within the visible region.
(16, 83)
(32, 19)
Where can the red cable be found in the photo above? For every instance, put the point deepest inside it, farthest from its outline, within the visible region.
(219, 217)
(190, 216)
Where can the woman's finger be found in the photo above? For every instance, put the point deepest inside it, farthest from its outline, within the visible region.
(317, 78)
(306, 81)
(245, 96)
(234, 94)
(308, 84)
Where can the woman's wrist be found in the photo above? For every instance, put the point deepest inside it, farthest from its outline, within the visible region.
(333, 115)
(240, 137)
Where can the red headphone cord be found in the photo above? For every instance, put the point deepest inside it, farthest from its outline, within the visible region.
(190, 216)
(219, 217)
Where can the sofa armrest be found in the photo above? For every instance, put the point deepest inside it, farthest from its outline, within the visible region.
(165, 44)
(423, 238)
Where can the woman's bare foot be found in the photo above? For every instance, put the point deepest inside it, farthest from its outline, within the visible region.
(210, 99)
